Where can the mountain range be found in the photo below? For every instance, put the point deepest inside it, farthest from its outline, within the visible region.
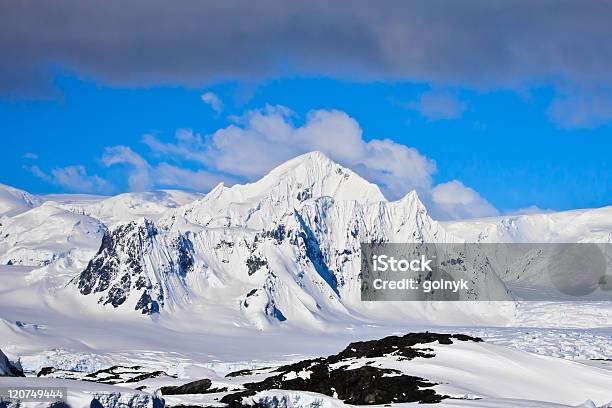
(285, 248)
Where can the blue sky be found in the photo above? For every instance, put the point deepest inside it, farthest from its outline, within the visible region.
(481, 110)
(502, 144)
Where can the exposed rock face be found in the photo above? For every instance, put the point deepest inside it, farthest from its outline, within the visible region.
(195, 387)
(111, 375)
(118, 272)
(8, 368)
(345, 377)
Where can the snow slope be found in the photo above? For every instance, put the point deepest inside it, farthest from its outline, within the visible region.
(131, 206)
(14, 201)
(462, 372)
(478, 370)
(590, 225)
(303, 399)
(426, 367)
(530, 275)
(46, 234)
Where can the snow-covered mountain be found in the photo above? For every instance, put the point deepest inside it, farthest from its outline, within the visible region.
(286, 247)
(173, 284)
(285, 188)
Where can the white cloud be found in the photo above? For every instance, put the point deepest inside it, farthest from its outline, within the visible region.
(438, 105)
(30, 156)
(144, 176)
(263, 139)
(188, 146)
(76, 178)
(532, 209)
(198, 180)
(140, 177)
(73, 178)
(453, 200)
(213, 101)
(38, 172)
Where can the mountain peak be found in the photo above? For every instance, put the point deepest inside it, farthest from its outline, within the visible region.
(412, 197)
(314, 158)
(285, 188)
(320, 176)
(310, 175)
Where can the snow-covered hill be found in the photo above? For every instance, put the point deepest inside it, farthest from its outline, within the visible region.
(284, 248)
(424, 368)
(539, 232)
(14, 201)
(46, 234)
(131, 206)
(590, 225)
(429, 368)
(285, 188)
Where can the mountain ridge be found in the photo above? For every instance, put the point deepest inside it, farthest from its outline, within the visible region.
(283, 249)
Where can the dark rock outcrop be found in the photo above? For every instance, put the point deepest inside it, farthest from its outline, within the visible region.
(195, 387)
(9, 368)
(364, 385)
(111, 375)
(118, 271)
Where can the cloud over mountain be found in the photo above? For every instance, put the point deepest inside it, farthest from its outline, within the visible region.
(262, 139)
(258, 141)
